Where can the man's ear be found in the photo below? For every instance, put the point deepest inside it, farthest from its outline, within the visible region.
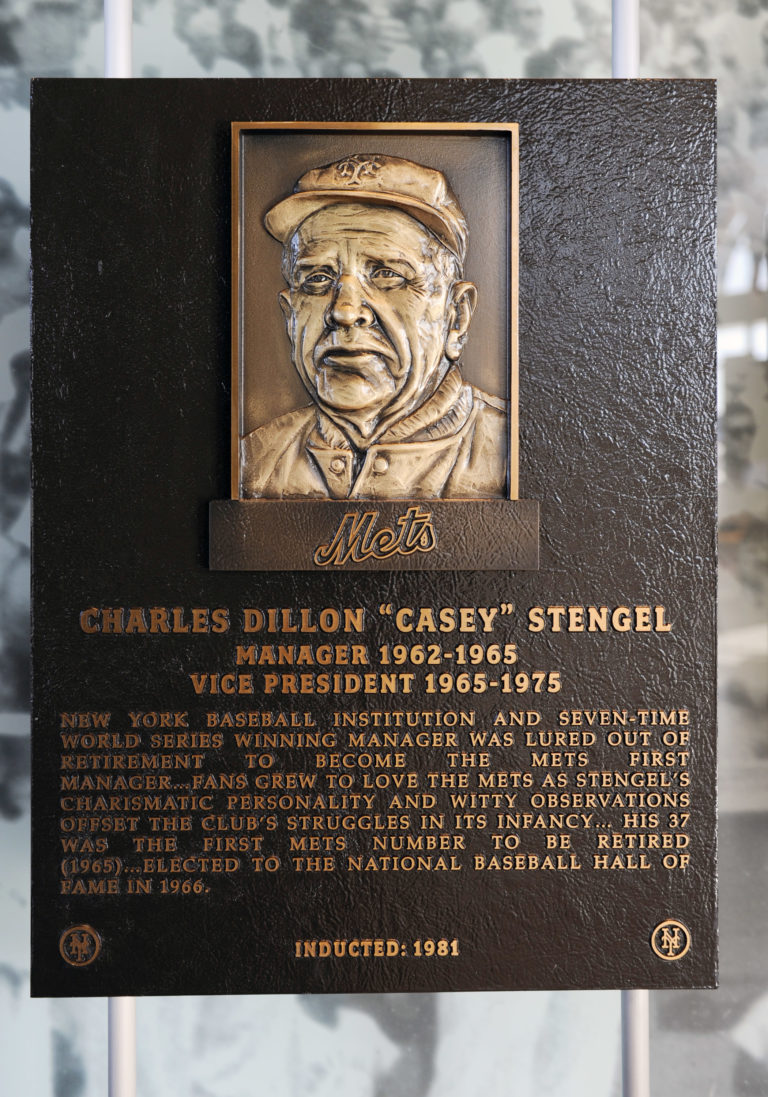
(463, 302)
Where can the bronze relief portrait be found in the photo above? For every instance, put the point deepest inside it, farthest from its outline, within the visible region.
(358, 282)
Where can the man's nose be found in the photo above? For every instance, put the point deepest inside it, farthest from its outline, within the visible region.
(349, 308)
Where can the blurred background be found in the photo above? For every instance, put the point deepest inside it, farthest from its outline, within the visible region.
(704, 1044)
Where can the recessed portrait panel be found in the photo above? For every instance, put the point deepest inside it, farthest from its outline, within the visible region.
(374, 350)
(375, 311)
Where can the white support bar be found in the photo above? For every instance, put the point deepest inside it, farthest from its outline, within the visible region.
(118, 38)
(625, 39)
(635, 1043)
(635, 1004)
(122, 1047)
(118, 61)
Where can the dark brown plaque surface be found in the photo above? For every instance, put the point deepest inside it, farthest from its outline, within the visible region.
(260, 765)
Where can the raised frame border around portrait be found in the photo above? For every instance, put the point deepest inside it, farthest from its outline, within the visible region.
(493, 534)
(242, 130)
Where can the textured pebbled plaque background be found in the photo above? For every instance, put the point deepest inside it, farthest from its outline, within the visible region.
(131, 344)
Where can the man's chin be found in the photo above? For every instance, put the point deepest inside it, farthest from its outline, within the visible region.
(349, 392)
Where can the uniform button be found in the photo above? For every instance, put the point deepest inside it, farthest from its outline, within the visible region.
(380, 464)
(337, 465)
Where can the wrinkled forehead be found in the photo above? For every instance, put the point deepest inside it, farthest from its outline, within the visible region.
(352, 228)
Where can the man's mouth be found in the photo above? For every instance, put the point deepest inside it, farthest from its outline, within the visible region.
(350, 359)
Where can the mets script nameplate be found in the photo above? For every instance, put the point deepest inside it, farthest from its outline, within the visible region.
(268, 535)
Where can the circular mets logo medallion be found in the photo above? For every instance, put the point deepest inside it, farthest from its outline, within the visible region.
(80, 945)
(671, 940)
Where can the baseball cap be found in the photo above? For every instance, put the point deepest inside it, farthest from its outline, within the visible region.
(377, 180)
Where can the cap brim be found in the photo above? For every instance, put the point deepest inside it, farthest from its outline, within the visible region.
(283, 219)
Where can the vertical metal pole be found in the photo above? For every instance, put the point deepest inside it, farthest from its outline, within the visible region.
(122, 1047)
(118, 51)
(625, 39)
(635, 1044)
(635, 1004)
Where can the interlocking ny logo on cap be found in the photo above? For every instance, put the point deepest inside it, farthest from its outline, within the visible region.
(356, 169)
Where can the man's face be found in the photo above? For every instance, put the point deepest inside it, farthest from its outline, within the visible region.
(369, 312)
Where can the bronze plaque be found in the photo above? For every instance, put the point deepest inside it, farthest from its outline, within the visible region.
(374, 537)
(362, 383)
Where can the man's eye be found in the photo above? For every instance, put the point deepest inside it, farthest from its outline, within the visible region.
(387, 278)
(318, 282)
